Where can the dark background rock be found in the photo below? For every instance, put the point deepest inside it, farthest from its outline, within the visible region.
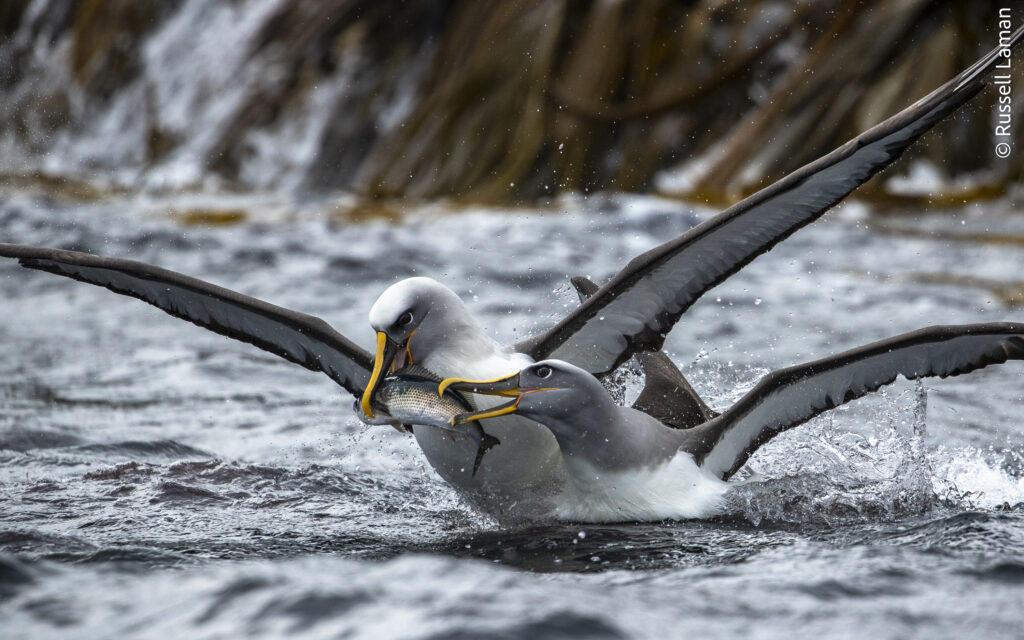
(492, 102)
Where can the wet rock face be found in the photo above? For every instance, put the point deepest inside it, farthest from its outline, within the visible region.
(481, 101)
(106, 38)
(184, 94)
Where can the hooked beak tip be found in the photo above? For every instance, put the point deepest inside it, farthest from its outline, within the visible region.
(365, 403)
(447, 382)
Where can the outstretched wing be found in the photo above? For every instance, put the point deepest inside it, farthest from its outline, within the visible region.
(641, 304)
(300, 338)
(786, 398)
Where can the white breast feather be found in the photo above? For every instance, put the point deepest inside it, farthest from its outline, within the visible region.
(674, 491)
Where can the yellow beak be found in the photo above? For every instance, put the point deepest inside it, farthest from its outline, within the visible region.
(504, 386)
(508, 407)
(379, 365)
(507, 386)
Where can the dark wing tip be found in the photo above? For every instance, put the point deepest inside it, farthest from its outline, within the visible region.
(585, 287)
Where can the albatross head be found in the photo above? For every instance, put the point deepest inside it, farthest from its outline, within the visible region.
(416, 319)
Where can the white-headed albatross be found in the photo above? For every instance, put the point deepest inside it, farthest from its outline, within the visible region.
(623, 465)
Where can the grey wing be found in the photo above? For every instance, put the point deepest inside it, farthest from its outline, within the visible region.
(300, 338)
(641, 304)
(788, 397)
(667, 395)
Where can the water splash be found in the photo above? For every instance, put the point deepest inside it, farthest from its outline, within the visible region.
(882, 470)
(625, 383)
(975, 479)
(832, 472)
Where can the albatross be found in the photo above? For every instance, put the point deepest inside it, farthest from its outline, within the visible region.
(423, 322)
(624, 465)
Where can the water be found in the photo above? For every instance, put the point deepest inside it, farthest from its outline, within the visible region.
(156, 478)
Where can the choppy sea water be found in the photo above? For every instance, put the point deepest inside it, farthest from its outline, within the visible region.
(158, 479)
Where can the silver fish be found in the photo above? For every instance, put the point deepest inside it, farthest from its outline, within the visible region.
(409, 396)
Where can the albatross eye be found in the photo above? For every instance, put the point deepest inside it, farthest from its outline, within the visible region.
(405, 319)
(543, 372)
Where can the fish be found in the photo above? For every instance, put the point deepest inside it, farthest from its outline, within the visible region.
(409, 396)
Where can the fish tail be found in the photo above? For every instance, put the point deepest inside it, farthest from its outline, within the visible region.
(487, 442)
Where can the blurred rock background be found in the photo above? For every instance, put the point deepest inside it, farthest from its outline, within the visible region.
(482, 101)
